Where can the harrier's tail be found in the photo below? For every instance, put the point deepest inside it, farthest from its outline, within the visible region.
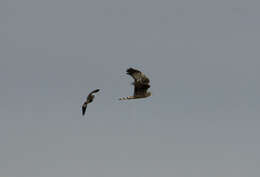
(126, 98)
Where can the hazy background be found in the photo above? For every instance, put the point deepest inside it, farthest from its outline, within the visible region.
(202, 57)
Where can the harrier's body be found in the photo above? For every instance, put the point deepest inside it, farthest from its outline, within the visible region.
(141, 84)
(90, 98)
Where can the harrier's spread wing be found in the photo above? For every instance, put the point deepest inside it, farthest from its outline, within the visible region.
(138, 76)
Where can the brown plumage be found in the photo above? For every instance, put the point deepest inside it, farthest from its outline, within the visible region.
(89, 99)
(138, 76)
(141, 84)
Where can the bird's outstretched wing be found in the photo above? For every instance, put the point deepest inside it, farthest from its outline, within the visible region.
(84, 107)
(90, 94)
(94, 91)
(138, 76)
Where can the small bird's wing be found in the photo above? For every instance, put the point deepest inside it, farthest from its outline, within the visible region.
(137, 75)
(94, 91)
(84, 107)
(141, 89)
(90, 94)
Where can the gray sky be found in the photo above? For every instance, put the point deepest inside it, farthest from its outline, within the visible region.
(203, 60)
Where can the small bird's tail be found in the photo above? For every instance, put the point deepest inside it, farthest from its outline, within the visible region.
(126, 98)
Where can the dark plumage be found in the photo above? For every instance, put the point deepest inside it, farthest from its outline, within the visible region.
(141, 84)
(138, 76)
(89, 99)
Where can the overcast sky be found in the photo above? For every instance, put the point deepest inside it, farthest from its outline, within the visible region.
(202, 58)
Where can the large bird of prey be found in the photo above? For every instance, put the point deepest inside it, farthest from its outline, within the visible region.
(141, 84)
(90, 98)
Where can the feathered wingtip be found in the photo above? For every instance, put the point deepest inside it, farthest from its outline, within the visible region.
(126, 98)
(95, 91)
(84, 107)
(131, 71)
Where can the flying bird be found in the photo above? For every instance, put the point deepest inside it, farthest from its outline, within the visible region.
(89, 99)
(141, 84)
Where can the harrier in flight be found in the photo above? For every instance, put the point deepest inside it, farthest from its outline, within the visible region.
(90, 98)
(141, 85)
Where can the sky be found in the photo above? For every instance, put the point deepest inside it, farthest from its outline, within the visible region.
(202, 58)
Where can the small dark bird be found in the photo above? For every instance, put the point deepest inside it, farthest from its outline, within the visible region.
(141, 84)
(89, 99)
